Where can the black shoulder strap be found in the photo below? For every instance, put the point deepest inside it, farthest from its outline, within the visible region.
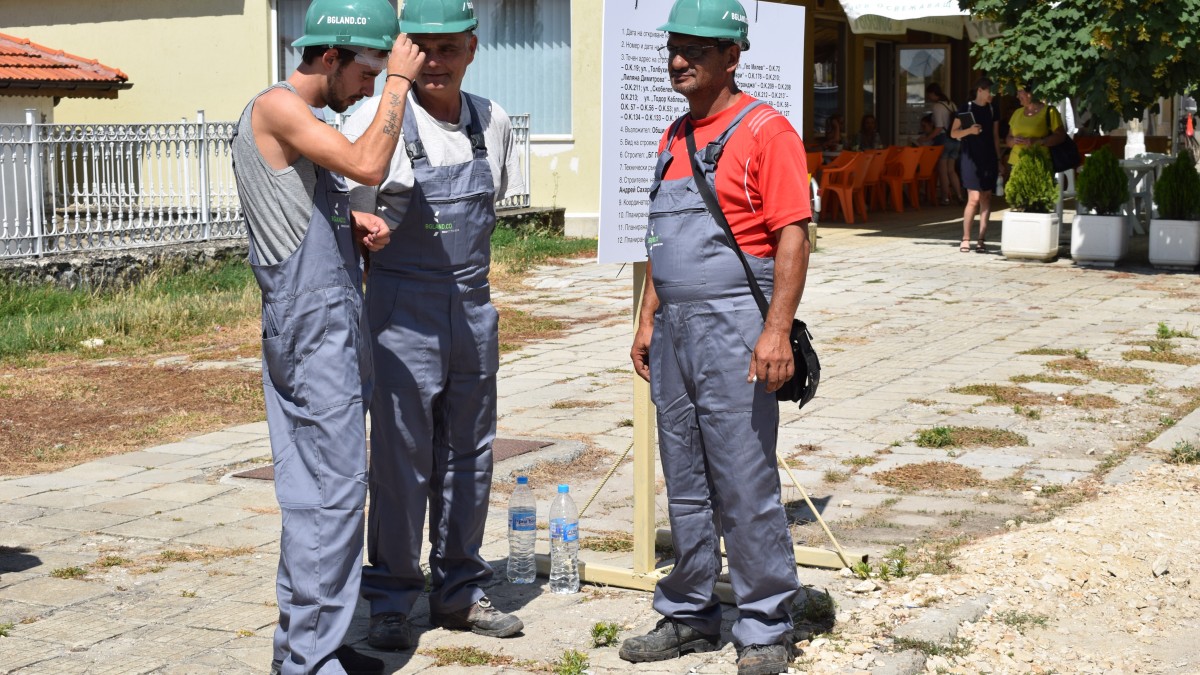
(710, 200)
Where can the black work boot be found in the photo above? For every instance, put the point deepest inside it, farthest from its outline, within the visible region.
(480, 618)
(764, 660)
(390, 630)
(670, 639)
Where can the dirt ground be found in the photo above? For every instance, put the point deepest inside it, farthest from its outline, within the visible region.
(1111, 585)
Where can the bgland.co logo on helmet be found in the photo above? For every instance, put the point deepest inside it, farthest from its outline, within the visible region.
(735, 16)
(343, 20)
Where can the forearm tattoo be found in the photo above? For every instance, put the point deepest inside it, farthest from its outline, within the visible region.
(391, 125)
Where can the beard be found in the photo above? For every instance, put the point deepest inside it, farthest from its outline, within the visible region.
(336, 102)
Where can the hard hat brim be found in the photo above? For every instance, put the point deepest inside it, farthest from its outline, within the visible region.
(415, 28)
(380, 43)
(671, 27)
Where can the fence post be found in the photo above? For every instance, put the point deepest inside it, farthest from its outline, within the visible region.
(33, 161)
(205, 197)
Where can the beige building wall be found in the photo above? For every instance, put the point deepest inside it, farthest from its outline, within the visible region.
(565, 170)
(180, 55)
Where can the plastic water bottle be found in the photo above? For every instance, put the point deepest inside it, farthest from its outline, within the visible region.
(564, 543)
(522, 530)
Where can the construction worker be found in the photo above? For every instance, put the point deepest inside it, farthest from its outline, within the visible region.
(433, 332)
(316, 365)
(712, 361)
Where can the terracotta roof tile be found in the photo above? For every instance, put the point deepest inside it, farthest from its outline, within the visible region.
(25, 64)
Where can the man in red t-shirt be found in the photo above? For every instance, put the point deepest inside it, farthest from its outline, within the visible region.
(712, 361)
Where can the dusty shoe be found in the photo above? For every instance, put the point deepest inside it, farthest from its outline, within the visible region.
(390, 630)
(357, 664)
(480, 618)
(764, 660)
(669, 640)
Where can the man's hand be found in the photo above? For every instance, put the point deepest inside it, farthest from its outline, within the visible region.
(405, 58)
(370, 231)
(771, 361)
(640, 353)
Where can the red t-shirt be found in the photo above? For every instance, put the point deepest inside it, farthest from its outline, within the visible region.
(762, 177)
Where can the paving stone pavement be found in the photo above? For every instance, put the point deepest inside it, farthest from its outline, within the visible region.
(178, 555)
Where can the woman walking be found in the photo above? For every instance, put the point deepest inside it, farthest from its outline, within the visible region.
(980, 157)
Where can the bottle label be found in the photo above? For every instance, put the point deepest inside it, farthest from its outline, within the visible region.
(561, 529)
(522, 521)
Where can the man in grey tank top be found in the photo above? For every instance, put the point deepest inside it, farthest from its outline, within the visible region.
(304, 249)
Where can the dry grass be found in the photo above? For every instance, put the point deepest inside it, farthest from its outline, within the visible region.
(1160, 356)
(968, 437)
(1090, 401)
(930, 476)
(70, 411)
(608, 541)
(1047, 378)
(465, 656)
(1095, 371)
(576, 403)
(1005, 395)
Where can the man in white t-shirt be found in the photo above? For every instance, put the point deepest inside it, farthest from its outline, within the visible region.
(434, 339)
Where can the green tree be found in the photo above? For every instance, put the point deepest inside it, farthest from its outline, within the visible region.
(1115, 57)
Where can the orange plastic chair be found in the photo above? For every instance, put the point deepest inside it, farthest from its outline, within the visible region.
(846, 184)
(902, 174)
(842, 159)
(815, 160)
(927, 170)
(872, 186)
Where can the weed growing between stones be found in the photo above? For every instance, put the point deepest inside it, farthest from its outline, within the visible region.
(605, 634)
(1165, 332)
(5, 627)
(1184, 452)
(959, 647)
(69, 573)
(571, 662)
(1021, 620)
(465, 656)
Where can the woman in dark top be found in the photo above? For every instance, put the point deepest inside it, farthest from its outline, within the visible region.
(980, 160)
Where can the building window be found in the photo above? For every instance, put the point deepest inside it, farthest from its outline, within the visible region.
(829, 71)
(524, 60)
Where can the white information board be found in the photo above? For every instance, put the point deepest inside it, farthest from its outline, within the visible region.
(638, 104)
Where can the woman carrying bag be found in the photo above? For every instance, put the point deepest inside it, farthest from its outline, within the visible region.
(980, 158)
(1035, 123)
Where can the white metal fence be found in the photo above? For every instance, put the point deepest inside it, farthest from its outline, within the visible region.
(73, 187)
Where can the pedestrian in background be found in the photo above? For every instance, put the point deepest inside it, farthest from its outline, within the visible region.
(316, 365)
(435, 340)
(1034, 123)
(943, 112)
(980, 160)
(712, 362)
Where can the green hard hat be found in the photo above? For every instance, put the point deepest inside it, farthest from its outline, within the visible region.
(720, 19)
(437, 16)
(357, 23)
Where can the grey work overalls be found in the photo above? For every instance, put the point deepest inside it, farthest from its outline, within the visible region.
(317, 382)
(717, 432)
(434, 336)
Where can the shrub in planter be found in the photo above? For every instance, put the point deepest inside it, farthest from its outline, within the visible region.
(1031, 186)
(1175, 233)
(1177, 191)
(1030, 226)
(1102, 188)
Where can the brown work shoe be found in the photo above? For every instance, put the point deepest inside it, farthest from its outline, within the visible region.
(480, 618)
(764, 660)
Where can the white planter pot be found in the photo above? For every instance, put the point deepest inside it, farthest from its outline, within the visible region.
(1029, 236)
(1099, 240)
(1175, 243)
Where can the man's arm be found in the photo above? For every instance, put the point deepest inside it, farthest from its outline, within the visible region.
(283, 120)
(640, 353)
(771, 360)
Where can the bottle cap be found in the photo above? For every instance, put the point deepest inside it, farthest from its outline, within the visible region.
(563, 489)
(522, 480)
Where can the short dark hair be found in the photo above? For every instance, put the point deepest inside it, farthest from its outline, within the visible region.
(935, 89)
(983, 83)
(314, 52)
(1027, 86)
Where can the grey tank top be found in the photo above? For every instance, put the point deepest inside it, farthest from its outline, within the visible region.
(277, 204)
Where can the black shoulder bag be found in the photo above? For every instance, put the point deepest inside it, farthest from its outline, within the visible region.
(803, 385)
(1065, 155)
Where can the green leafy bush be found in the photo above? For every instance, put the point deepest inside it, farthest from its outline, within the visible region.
(1031, 187)
(1102, 186)
(1177, 191)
